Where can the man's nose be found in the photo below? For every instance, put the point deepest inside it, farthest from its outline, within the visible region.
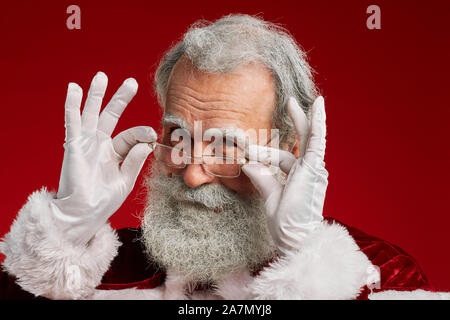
(194, 176)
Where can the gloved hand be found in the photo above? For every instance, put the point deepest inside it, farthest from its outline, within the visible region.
(295, 209)
(98, 173)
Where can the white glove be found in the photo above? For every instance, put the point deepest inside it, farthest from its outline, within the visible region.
(295, 209)
(93, 184)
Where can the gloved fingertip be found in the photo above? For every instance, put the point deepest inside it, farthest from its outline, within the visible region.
(255, 169)
(100, 79)
(319, 104)
(293, 103)
(245, 168)
(294, 110)
(251, 152)
(146, 148)
(132, 84)
(151, 132)
(248, 169)
(73, 86)
(137, 156)
(320, 100)
(252, 165)
(142, 134)
(101, 74)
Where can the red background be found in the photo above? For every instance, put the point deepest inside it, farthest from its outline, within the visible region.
(385, 92)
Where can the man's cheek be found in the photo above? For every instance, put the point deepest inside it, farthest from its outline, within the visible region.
(168, 172)
(241, 185)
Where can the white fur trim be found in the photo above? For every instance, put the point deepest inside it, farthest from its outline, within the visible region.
(129, 294)
(235, 286)
(44, 263)
(176, 287)
(409, 295)
(329, 265)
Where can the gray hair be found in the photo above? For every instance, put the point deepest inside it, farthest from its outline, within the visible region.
(238, 39)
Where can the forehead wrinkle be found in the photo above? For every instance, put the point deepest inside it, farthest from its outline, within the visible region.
(214, 106)
(215, 95)
(180, 94)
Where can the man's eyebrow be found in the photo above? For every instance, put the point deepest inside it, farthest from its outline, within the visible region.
(170, 119)
(232, 134)
(241, 137)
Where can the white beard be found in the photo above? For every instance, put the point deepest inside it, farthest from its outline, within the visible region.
(204, 233)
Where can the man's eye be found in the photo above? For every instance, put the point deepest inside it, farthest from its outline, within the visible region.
(233, 151)
(175, 135)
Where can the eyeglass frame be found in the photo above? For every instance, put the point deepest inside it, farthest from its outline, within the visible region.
(240, 163)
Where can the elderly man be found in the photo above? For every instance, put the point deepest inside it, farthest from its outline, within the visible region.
(240, 221)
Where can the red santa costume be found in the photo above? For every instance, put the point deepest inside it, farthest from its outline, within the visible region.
(337, 261)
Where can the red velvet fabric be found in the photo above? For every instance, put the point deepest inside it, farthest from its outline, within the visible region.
(132, 269)
(399, 270)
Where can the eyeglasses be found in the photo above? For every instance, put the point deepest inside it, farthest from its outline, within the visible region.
(219, 166)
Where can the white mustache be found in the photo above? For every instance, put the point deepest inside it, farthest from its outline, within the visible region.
(211, 196)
